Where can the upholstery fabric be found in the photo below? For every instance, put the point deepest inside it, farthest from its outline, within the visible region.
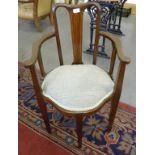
(25, 10)
(77, 88)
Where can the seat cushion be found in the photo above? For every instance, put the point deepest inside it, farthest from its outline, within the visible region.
(25, 10)
(77, 88)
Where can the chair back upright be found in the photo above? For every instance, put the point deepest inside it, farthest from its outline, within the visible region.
(76, 20)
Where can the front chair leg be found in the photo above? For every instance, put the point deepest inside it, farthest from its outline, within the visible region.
(114, 105)
(39, 97)
(43, 110)
(79, 129)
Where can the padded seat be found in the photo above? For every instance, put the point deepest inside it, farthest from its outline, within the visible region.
(77, 88)
(25, 10)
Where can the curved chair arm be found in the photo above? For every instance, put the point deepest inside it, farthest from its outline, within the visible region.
(118, 47)
(36, 55)
(36, 49)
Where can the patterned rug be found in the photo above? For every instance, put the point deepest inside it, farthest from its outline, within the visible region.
(96, 141)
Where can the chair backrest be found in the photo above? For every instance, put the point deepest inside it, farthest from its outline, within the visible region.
(76, 20)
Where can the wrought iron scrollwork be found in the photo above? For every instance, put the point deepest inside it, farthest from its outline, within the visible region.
(108, 21)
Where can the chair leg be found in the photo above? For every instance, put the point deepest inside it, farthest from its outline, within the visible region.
(112, 115)
(43, 110)
(37, 24)
(39, 97)
(51, 19)
(79, 129)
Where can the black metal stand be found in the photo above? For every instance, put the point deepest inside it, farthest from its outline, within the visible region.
(108, 22)
(113, 27)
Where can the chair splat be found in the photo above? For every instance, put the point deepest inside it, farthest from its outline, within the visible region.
(76, 19)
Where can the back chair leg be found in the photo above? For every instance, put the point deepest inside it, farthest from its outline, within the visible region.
(113, 110)
(79, 129)
(37, 24)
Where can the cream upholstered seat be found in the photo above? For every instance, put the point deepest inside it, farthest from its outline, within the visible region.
(77, 88)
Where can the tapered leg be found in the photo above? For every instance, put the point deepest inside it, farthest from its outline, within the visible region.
(43, 110)
(117, 94)
(51, 19)
(79, 129)
(40, 99)
(37, 24)
(112, 115)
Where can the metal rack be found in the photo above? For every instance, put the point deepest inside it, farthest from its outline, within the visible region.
(111, 17)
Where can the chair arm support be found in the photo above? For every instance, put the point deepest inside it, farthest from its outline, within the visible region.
(117, 45)
(36, 49)
(119, 81)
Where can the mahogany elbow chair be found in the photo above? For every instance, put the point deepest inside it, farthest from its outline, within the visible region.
(79, 89)
(34, 10)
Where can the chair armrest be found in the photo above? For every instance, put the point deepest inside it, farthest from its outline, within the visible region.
(118, 46)
(36, 49)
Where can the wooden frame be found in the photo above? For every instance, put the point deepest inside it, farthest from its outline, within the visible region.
(76, 29)
(35, 18)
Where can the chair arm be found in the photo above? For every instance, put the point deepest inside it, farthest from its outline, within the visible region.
(36, 49)
(118, 46)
